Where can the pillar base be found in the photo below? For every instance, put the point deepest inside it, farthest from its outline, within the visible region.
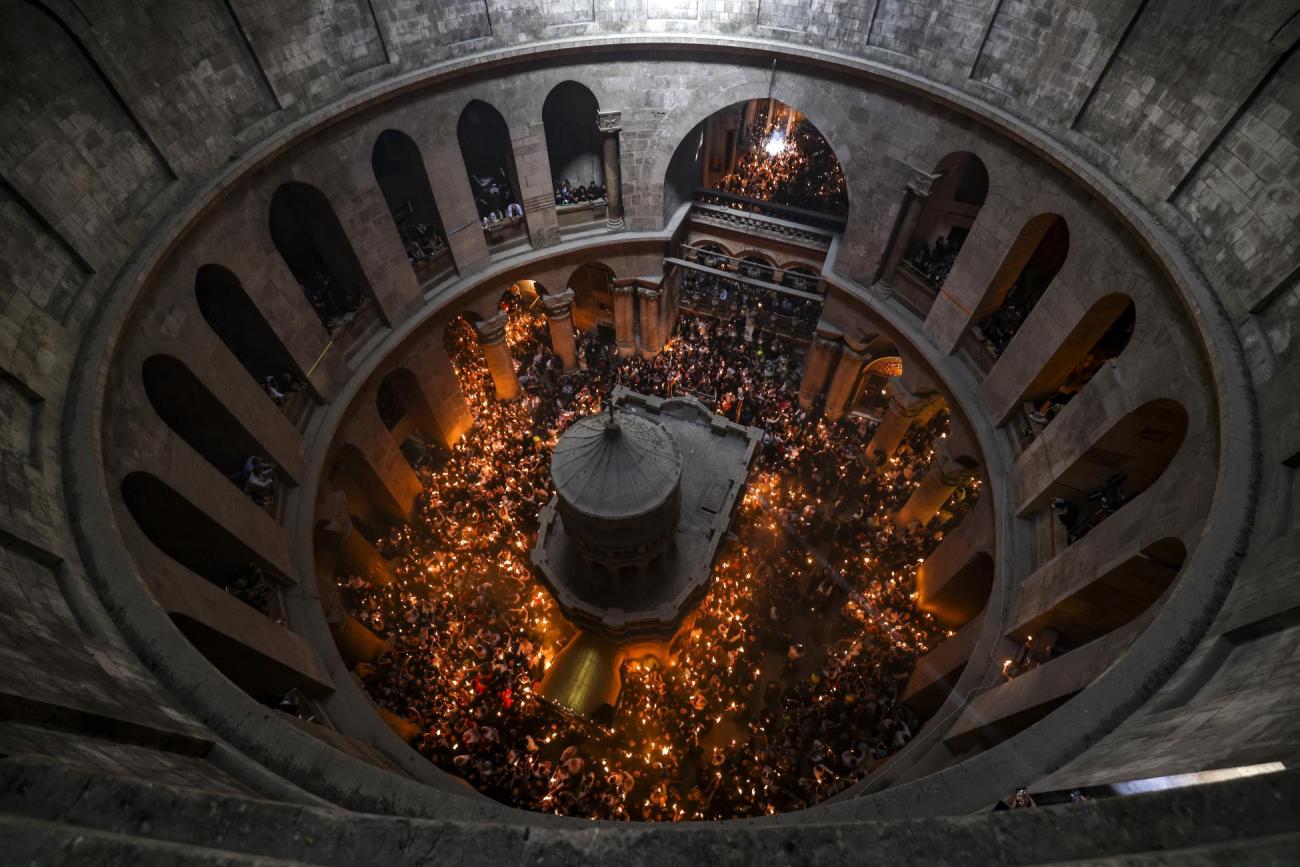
(881, 290)
(615, 225)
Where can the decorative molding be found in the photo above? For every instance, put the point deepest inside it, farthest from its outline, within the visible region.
(492, 330)
(609, 122)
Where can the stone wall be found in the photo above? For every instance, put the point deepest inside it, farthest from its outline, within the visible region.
(114, 117)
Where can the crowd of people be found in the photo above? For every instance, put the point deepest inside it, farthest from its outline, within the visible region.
(702, 291)
(786, 161)
(423, 241)
(787, 687)
(567, 194)
(934, 263)
(334, 302)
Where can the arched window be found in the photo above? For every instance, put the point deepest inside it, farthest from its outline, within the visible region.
(195, 414)
(1027, 270)
(756, 268)
(239, 323)
(490, 161)
(573, 142)
(593, 303)
(190, 536)
(710, 255)
(405, 412)
(1100, 335)
(1119, 466)
(312, 242)
(801, 278)
(761, 150)
(1095, 607)
(400, 173)
(946, 219)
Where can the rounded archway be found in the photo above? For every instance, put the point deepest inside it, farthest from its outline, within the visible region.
(400, 173)
(313, 243)
(489, 158)
(755, 154)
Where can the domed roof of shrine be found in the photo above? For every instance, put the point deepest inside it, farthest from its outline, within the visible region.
(616, 464)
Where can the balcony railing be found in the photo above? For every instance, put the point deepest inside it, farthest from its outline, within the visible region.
(913, 290)
(739, 207)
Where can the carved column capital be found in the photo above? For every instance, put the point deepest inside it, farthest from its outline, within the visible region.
(827, 344)
(492, 330)
(559, 305)
(921, 184)
(609, 122)
(623, 290)
(952, 470)
(906, 403)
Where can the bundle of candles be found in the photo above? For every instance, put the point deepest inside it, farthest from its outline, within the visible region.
(786, 688)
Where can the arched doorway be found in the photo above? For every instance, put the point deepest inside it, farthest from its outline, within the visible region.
(488, 153)
(574, 144)
(759, 154)
(400, 173)
(312, 242)
(946, 219)
(1027, 270)
(240, 325)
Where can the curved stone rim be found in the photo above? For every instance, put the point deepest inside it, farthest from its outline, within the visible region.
(278, 746)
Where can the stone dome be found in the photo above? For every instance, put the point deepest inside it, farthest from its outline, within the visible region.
(618, 481)
(616, 466)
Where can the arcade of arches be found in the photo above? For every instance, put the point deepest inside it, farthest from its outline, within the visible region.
(993, 538)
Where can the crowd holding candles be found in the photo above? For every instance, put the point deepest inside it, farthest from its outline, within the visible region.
(786, 688)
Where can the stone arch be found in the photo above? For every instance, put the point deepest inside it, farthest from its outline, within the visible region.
(957, 196)
(591, 280)
(405, 412)
(197, 416)
(1108, 600)
(681, 163)
(962, 595)
(1122, 463)
(186, 533)
(802, 277)
(1101, 334)
(757, 266)
(1028, 268)
(400, 172)
(313, 243)
(711, 254)
(488, 152)
(573, 139)
(240, 325)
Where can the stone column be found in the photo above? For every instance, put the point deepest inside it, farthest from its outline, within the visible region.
(624, 320)
(841, 387)
(905, 409)
(559, 319)
(651, 340)
(357, 644)
(945, 475)
(361, 558)
(817, 367)
(609, 125)
(918, 189)
(500, 363)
